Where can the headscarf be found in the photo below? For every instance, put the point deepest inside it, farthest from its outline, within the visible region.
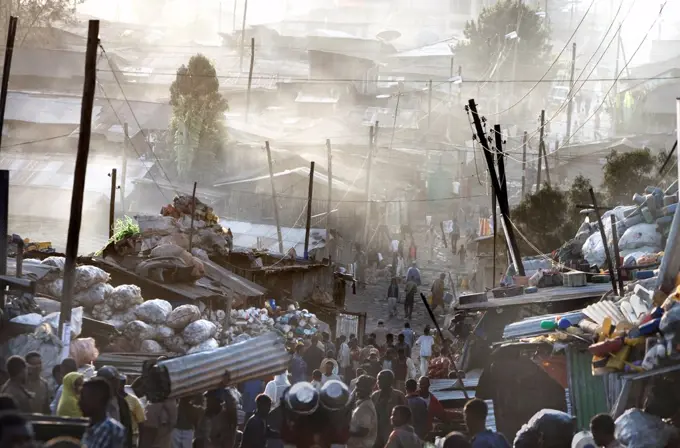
(68, 403)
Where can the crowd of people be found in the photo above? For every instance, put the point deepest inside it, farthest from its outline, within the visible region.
(390, 399)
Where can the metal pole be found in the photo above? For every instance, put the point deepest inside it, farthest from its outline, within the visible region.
(524, 163)
(615, 121)
(4, 222)
(276, 207)
(617, 256)
(9, 50)
(493, 223)
(309, 209)
(193, 214)
(677, 133)
(233, 17)
(112, 201)
(570, 104)
(330, 190)
(243, 35)
(79, 173)
(604, 241)
(250, 75)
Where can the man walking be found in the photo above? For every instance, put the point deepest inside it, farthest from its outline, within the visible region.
(385, 399)
(40, 403)
(409, 299)
(475, 412)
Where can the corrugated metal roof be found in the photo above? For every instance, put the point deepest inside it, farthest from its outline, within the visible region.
(545, 295)
(434, 50)
(45, 109)
(531, 326)
(302, 171)
(248, 235)
(452, 395)
(587, 392)
(56, 171)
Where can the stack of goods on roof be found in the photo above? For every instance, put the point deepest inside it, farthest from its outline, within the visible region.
(641, 229)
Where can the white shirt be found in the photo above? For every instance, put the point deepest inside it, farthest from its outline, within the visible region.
(275, 388)
(344, 356)
(364, 416)
(332, 376)
(426, 343)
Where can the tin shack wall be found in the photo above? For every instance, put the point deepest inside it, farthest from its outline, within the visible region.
(587, 392)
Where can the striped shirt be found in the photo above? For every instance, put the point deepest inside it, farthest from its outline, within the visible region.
(105, 434)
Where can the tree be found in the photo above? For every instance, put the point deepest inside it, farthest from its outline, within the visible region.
(543, 218)
(34, 17)
(627, 173)
(486, 46)
(197, 134)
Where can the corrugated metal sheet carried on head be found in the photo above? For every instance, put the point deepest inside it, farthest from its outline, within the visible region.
(587, 392)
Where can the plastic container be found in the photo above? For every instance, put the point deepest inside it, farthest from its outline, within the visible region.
(604, 348)
(642, 275)
(650, 327)
(549, 324)
(563, 324)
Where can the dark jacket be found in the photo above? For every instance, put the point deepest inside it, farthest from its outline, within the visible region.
(393, 290)
(313, 357)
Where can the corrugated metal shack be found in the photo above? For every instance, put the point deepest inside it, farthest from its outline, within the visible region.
(282, 276)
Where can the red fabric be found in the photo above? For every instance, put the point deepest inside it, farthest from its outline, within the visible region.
(555, 367)
(435, 410)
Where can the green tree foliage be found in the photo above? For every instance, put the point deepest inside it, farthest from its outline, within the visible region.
(34, 17)
(626, 173)
(197, 134)
(485, 43)
(544, 219)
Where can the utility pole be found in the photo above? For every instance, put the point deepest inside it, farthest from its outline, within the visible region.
(112, 201)
(570, 104)
(193, 214)
(243, 35)
(429, 104)
(80, 171)
(11, 34)
(4, 222)
(123, 174)
(541, 146)
(524, 163)
(309, 208)
(276, 207)
(502, 201)
(330, 189)
(250, 75)
(233, 18)
(369, 163)
(617, 102)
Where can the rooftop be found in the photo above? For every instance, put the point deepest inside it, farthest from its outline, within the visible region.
(264, 236)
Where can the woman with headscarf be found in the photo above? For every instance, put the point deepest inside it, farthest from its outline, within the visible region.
(68, 403)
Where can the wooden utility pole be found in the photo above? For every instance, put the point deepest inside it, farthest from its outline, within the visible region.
(615, 121)
(541, 150)
(429, 104)
(243, 34)
(497, 190)
(77, 194)
(250, 75)
(310, 192)
(524, 163)
(9, 50)
(123, 174)
(330, 190)
(112, 202)
(617, 255)
(276, 207)
(570, 104)
(369, 162)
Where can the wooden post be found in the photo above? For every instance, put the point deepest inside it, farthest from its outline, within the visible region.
(604, 240)
(276, 207)
(309, 209)
(243, 34)
(123, 173)
(9, 50)
(250, 75)
(329, 172)
(77, 194)
(429, 104)
(493, 229)
(547, 170)
(541, 150)
(193, 214)
(112, 202)
(4, 224)
(524, 163)
(570, 104)
(369, 163)
(617, 256)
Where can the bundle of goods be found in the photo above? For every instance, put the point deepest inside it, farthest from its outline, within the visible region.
(170, 263)
(642, 228)
(182, 208)
(296, 323)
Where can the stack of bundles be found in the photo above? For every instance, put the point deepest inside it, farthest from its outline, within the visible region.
(194, 373)
(181, 209)
(642, 228)
(170, 263)
(297, 323)
(91, 290)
